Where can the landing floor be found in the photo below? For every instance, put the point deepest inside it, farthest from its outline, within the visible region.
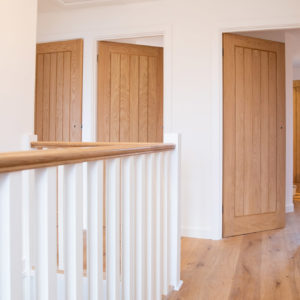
(263, 265)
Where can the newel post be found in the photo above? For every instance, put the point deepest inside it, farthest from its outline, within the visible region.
(175, 223)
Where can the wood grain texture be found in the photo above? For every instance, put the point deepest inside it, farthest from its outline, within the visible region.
(273, 132)
(53, 97)
(134, 98)
(152, 100)
(124, 99)
(115, 98)
(248, 157)
(58, 106)
(240, 136)
(143, 99)
(130, 93)
(254, 135)
(60, 98)
(38, 122)
(257, 266)
(66, 97)
(104, 94)
(46, 97)
(264, 129)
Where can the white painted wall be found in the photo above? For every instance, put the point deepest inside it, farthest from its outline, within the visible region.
(296, 73)
(289, 53)
(193, 78)
(272, 35)
(17, 71)
(154, 41)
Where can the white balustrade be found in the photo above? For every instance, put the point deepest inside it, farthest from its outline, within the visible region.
(133, 230)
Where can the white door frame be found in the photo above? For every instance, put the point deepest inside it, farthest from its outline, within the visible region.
(217, 122)
(90, 40)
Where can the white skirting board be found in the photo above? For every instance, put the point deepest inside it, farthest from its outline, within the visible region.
(194, 232)
(204, 233)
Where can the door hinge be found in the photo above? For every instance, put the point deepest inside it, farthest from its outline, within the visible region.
(222, 51)
(97, 57)
(222, 209)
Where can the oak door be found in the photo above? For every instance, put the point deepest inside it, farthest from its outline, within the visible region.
(58, 102)
(254, 135)
(130, 93)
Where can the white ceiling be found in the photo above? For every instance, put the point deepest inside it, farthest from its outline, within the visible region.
(55, 5)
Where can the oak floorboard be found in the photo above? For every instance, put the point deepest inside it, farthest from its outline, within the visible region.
(258, 266)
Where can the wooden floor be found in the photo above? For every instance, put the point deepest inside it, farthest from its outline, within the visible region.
(256, 266)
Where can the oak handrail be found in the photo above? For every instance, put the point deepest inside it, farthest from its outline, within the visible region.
(25, 160)
(53, 144)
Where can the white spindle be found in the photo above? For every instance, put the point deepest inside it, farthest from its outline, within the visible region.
(175, 234)
(45, 201)
(151, 242)
(27, 224)
(112, 202)
(10, 236)
(73, 232)
(95, 229)
(141, 272)
(5, 280)
(165, 224)
(128, 233)
(158, 224)
(60, 216)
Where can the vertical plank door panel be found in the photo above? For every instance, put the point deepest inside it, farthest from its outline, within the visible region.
(66, 96)
(143, 99)
(254, 135)
(39, 96)
(152, 100)
(58, 107)
(59, 101)
(53, 95)
(273, 125)
(240, 135)
(115, 98)
(256, 161)
(124, 99)
(264, 127)
(46, 97)
(134, 98)
(130, 93)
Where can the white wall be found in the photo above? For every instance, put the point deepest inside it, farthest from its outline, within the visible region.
(289, 52)
(296, 73)
(271, 35)
(193, 78)
(17, 71)
(154, 41)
